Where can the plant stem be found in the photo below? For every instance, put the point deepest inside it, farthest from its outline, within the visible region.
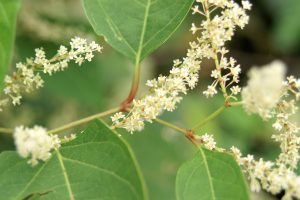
(209, 118)
(236, 103)
(222, 84)
(6, 130)
(84, 120)
(172, 126)
(134, 87)
(189, 134)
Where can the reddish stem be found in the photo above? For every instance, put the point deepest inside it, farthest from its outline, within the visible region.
(190, 134)
(127, 102)
(133, 91)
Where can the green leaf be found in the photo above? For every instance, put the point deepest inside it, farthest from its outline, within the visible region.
(96, 165)
(8, 15)
(136, 27)
(160, 164)
(211, 176)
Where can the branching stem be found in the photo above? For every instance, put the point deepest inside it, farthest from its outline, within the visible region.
(84, 120)
(172, 126)
(239, 103)
(209, 118)
(215, 114)
(189, 134)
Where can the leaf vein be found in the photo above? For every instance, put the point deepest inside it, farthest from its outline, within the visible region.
(154, 35)
(105, 171)
(115, 28)
(87, 143)
(141, 44)
(208, 173)
(60, 158)
(32, 180)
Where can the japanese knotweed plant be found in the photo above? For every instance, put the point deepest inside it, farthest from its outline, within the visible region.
(98, 164)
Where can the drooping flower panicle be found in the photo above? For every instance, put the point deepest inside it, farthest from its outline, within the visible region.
(268, 95)
(27, 77)
(270, 176)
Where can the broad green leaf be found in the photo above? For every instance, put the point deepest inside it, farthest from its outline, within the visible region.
(211, 176)
(160, 164)
(8, 15)
(96, 165)
(136, 27)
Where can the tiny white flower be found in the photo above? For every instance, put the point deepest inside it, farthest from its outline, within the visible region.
(16, 100)
(62, 50)
(89, 56)
(210, 92)
(117, 116)
(235, 90)
(79, 60)
(214, 74)
(277, 126)
(194, 29)
(246, 5)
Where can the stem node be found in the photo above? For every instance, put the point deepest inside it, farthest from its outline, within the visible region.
(227, 104)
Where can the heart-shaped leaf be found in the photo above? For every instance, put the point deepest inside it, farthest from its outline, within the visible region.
(96, 165)
(8, 15)
(211, 176)
(136, 27)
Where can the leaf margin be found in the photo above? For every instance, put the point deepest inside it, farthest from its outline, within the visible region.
(202, 152)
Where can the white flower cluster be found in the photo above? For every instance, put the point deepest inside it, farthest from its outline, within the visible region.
(165, 91)
(35, 143)
(288, 136)
(69, 138)
(220, 28)
(215, 31)
(226, 80)
(274, 177)
(27, 77)
(268, 95)
(207, 141)
(264, 89)
(270, 176)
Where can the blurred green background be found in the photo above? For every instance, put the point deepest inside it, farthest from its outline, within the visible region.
(273, 33)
